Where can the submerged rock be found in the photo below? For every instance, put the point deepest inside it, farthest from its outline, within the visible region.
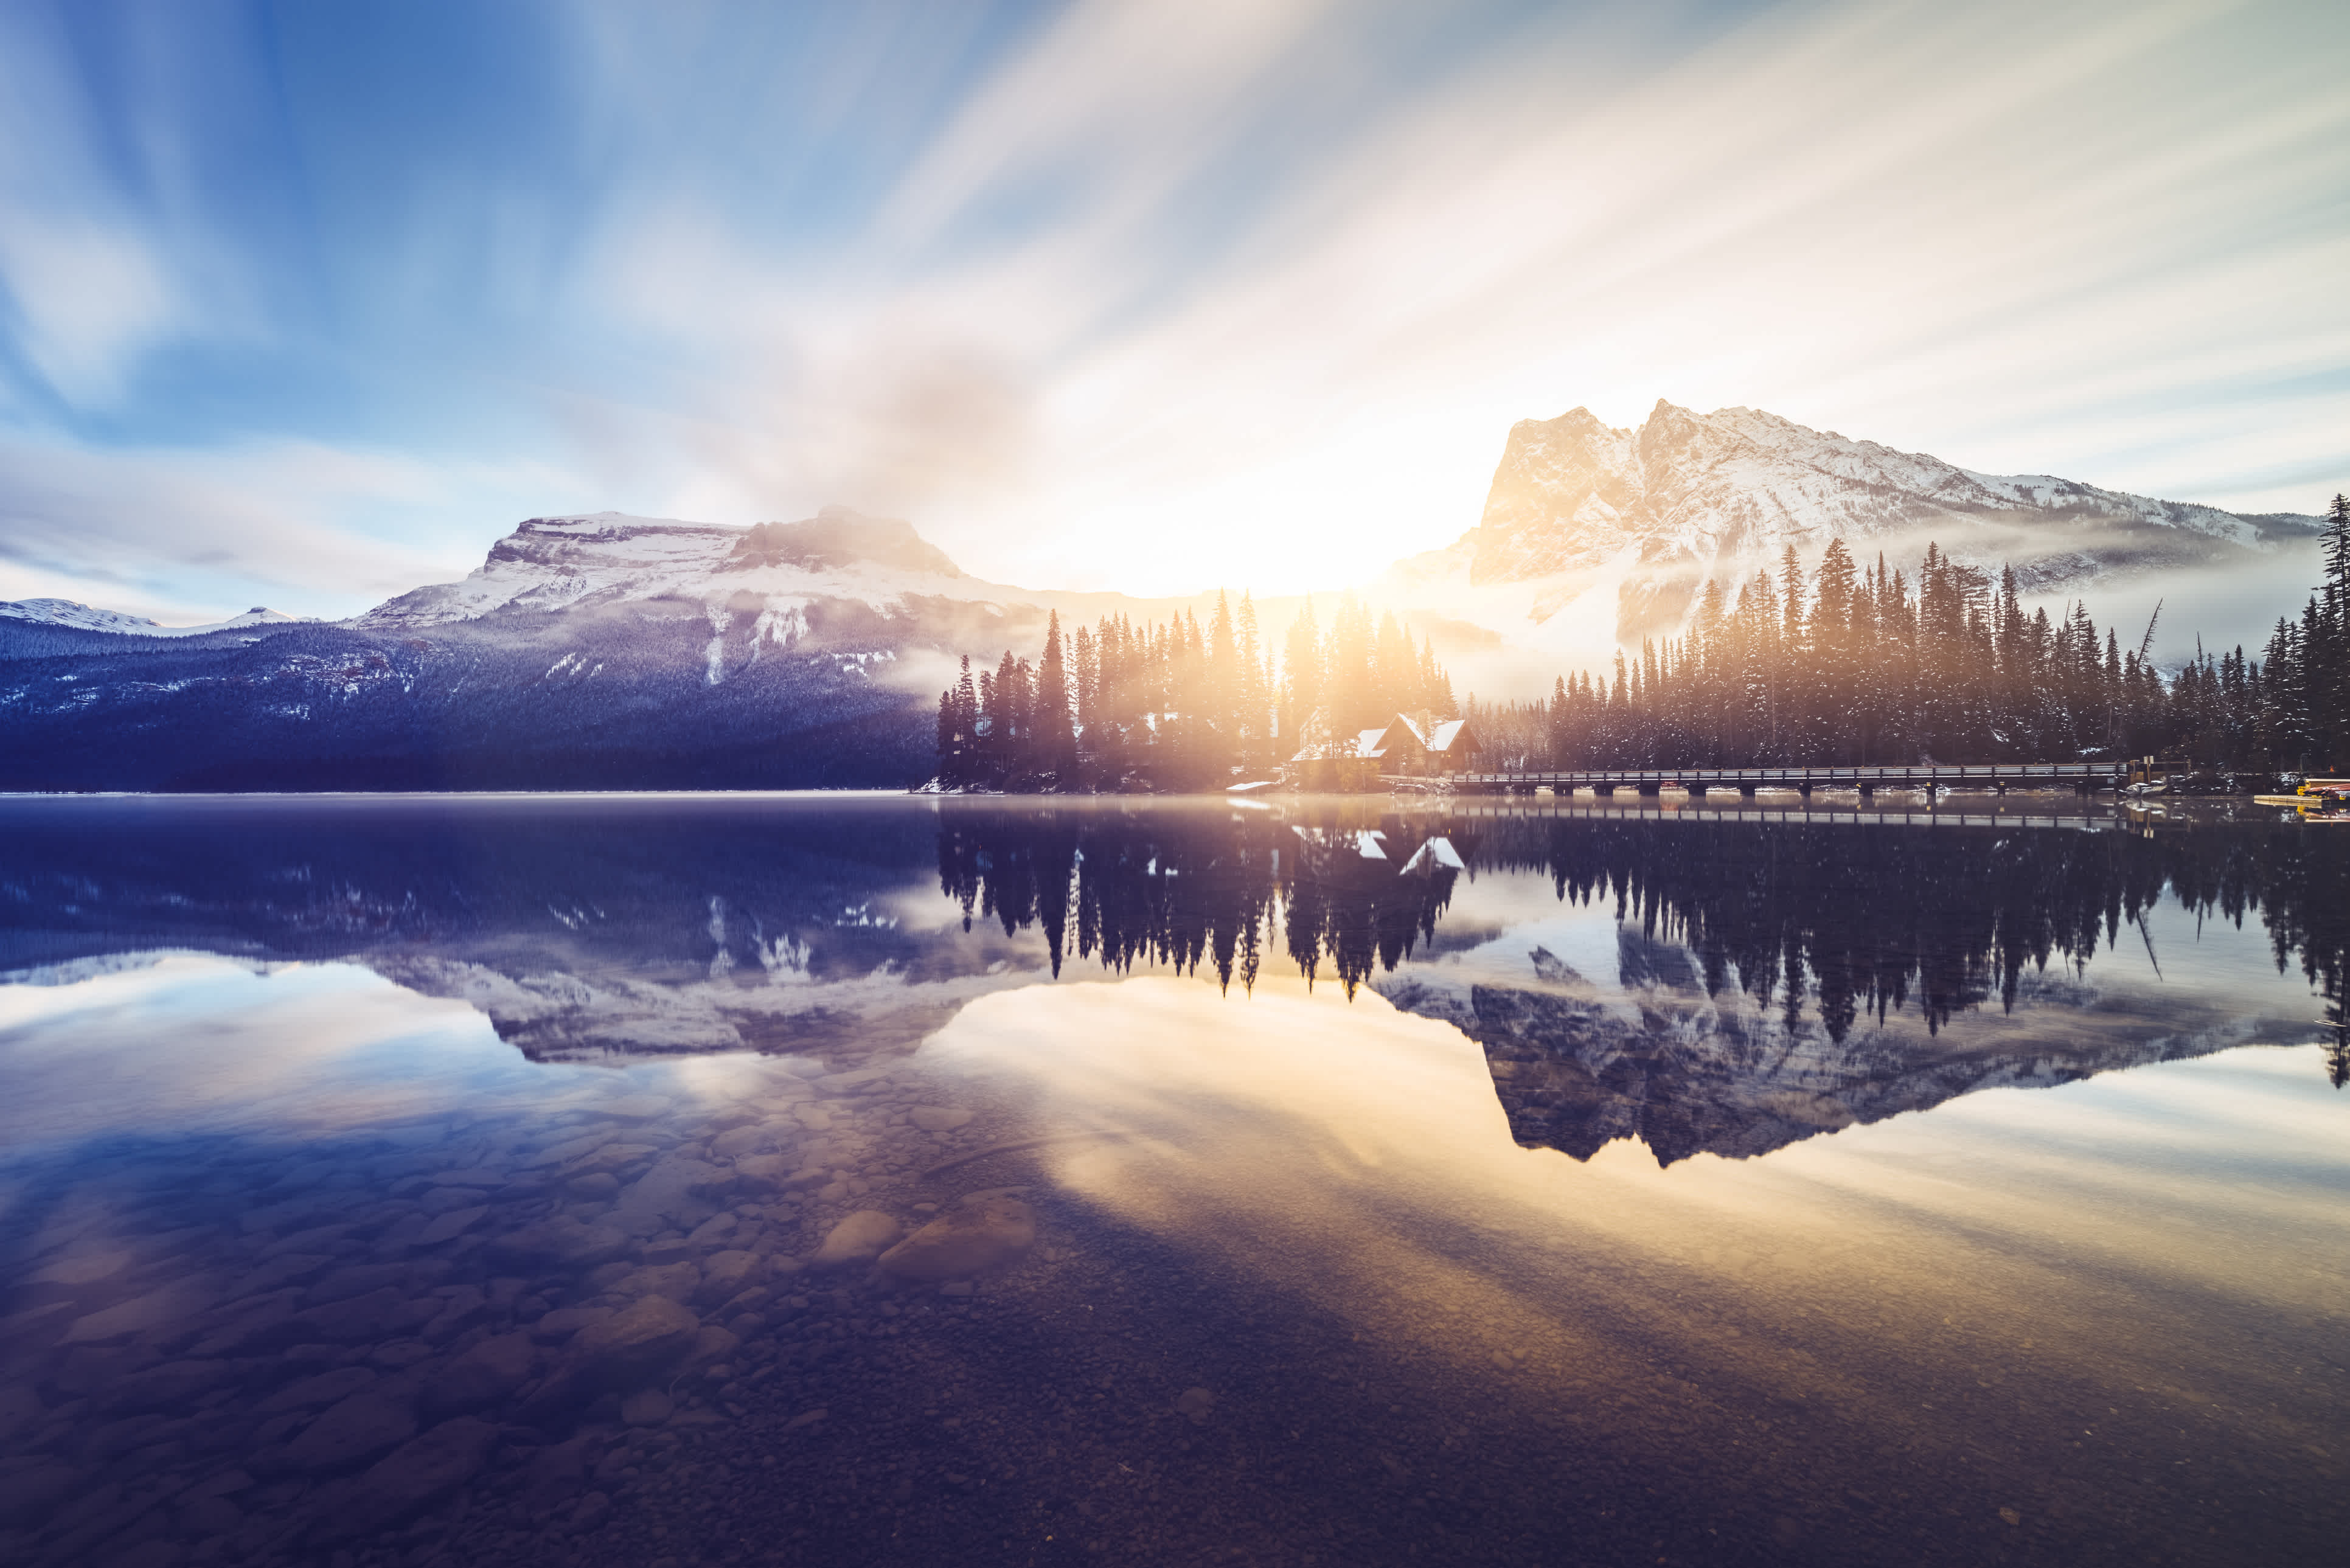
(414, 1476)
(360, 1429)
(560, 1241)
(647, 1407)
(862, 1236)
(166, 1386)
(324, 1388)
(982, 1231)
(489, 1372)
(678, 1282)
(763, 1172)
(641, 1339)
(450, 1225)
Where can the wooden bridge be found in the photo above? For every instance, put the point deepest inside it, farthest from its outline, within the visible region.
(2081, 778)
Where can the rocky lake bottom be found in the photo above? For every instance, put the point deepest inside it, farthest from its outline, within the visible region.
(1527, 1248)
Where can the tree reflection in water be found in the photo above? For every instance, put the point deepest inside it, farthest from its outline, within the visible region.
(1346, 889)
(1831, 921)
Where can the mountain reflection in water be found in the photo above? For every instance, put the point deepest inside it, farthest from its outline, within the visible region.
(1754, 982)
(427, 1182)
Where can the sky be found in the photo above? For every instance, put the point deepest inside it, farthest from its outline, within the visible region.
(306, 303)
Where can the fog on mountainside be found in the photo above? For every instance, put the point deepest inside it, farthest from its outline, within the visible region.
(1593, 537)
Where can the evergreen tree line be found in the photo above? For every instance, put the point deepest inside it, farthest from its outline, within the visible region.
(1852, 665)
(1821, 920)
(1175, 704)
(1844, 665)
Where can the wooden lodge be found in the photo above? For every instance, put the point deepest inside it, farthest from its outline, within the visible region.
(1416, 745)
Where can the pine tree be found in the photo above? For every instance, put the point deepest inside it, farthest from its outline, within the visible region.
(1054, 743)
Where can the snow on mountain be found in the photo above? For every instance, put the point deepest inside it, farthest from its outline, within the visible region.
(1687, 496)
(590, 651)
(607, 557)
(86, 618)
(1572, 492)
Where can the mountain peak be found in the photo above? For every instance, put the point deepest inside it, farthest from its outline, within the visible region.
(837, 536)
(1688, 496)
(553, 564)
(88, 617)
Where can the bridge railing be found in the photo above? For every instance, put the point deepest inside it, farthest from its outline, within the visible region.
(2106, 774)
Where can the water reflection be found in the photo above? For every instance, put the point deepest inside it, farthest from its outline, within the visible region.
(515, 1181)
(1720, 985)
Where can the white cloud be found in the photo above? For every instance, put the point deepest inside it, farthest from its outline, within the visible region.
(189, 537)
(1996, 233)
(90, 298)
(1182, 293)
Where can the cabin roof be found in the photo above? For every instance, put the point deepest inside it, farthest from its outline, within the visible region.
(1434, 734)
(1365, 744)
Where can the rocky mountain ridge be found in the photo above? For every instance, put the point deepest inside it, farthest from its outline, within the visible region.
(1688, 496)
(75, 616)
(613, 651)
(596, 652)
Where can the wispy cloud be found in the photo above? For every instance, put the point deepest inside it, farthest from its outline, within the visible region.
(1147, 296)
(188, 535)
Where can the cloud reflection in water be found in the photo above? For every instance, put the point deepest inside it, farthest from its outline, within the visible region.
(2026, 1256)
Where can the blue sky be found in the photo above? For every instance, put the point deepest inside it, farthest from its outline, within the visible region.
(303, 304)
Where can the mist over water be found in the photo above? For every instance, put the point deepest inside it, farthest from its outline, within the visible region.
(740, 1179)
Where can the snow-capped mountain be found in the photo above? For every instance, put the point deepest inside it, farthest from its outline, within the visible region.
(551, 564)
(600, 651)
(85, 618)
(1688, 496)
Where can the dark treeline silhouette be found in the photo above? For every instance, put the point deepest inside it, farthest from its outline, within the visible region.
(1177, 705)
(1834, 922)
(1847, 665)
(2306, 717)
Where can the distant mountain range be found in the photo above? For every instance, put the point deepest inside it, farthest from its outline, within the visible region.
(587, 652)
(610, 651)
(83, 617)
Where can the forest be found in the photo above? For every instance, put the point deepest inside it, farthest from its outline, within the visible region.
(1176, 705)
(1852, 665)
(1844, 664)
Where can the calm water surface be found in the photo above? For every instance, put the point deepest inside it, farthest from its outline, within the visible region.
(431, 1182)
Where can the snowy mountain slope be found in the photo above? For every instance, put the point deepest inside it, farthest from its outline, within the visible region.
(587, 652)
(84, 618)
(614, 699)
(1688, 496)
(551, 564)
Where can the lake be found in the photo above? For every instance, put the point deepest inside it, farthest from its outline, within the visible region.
(858, 1180)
